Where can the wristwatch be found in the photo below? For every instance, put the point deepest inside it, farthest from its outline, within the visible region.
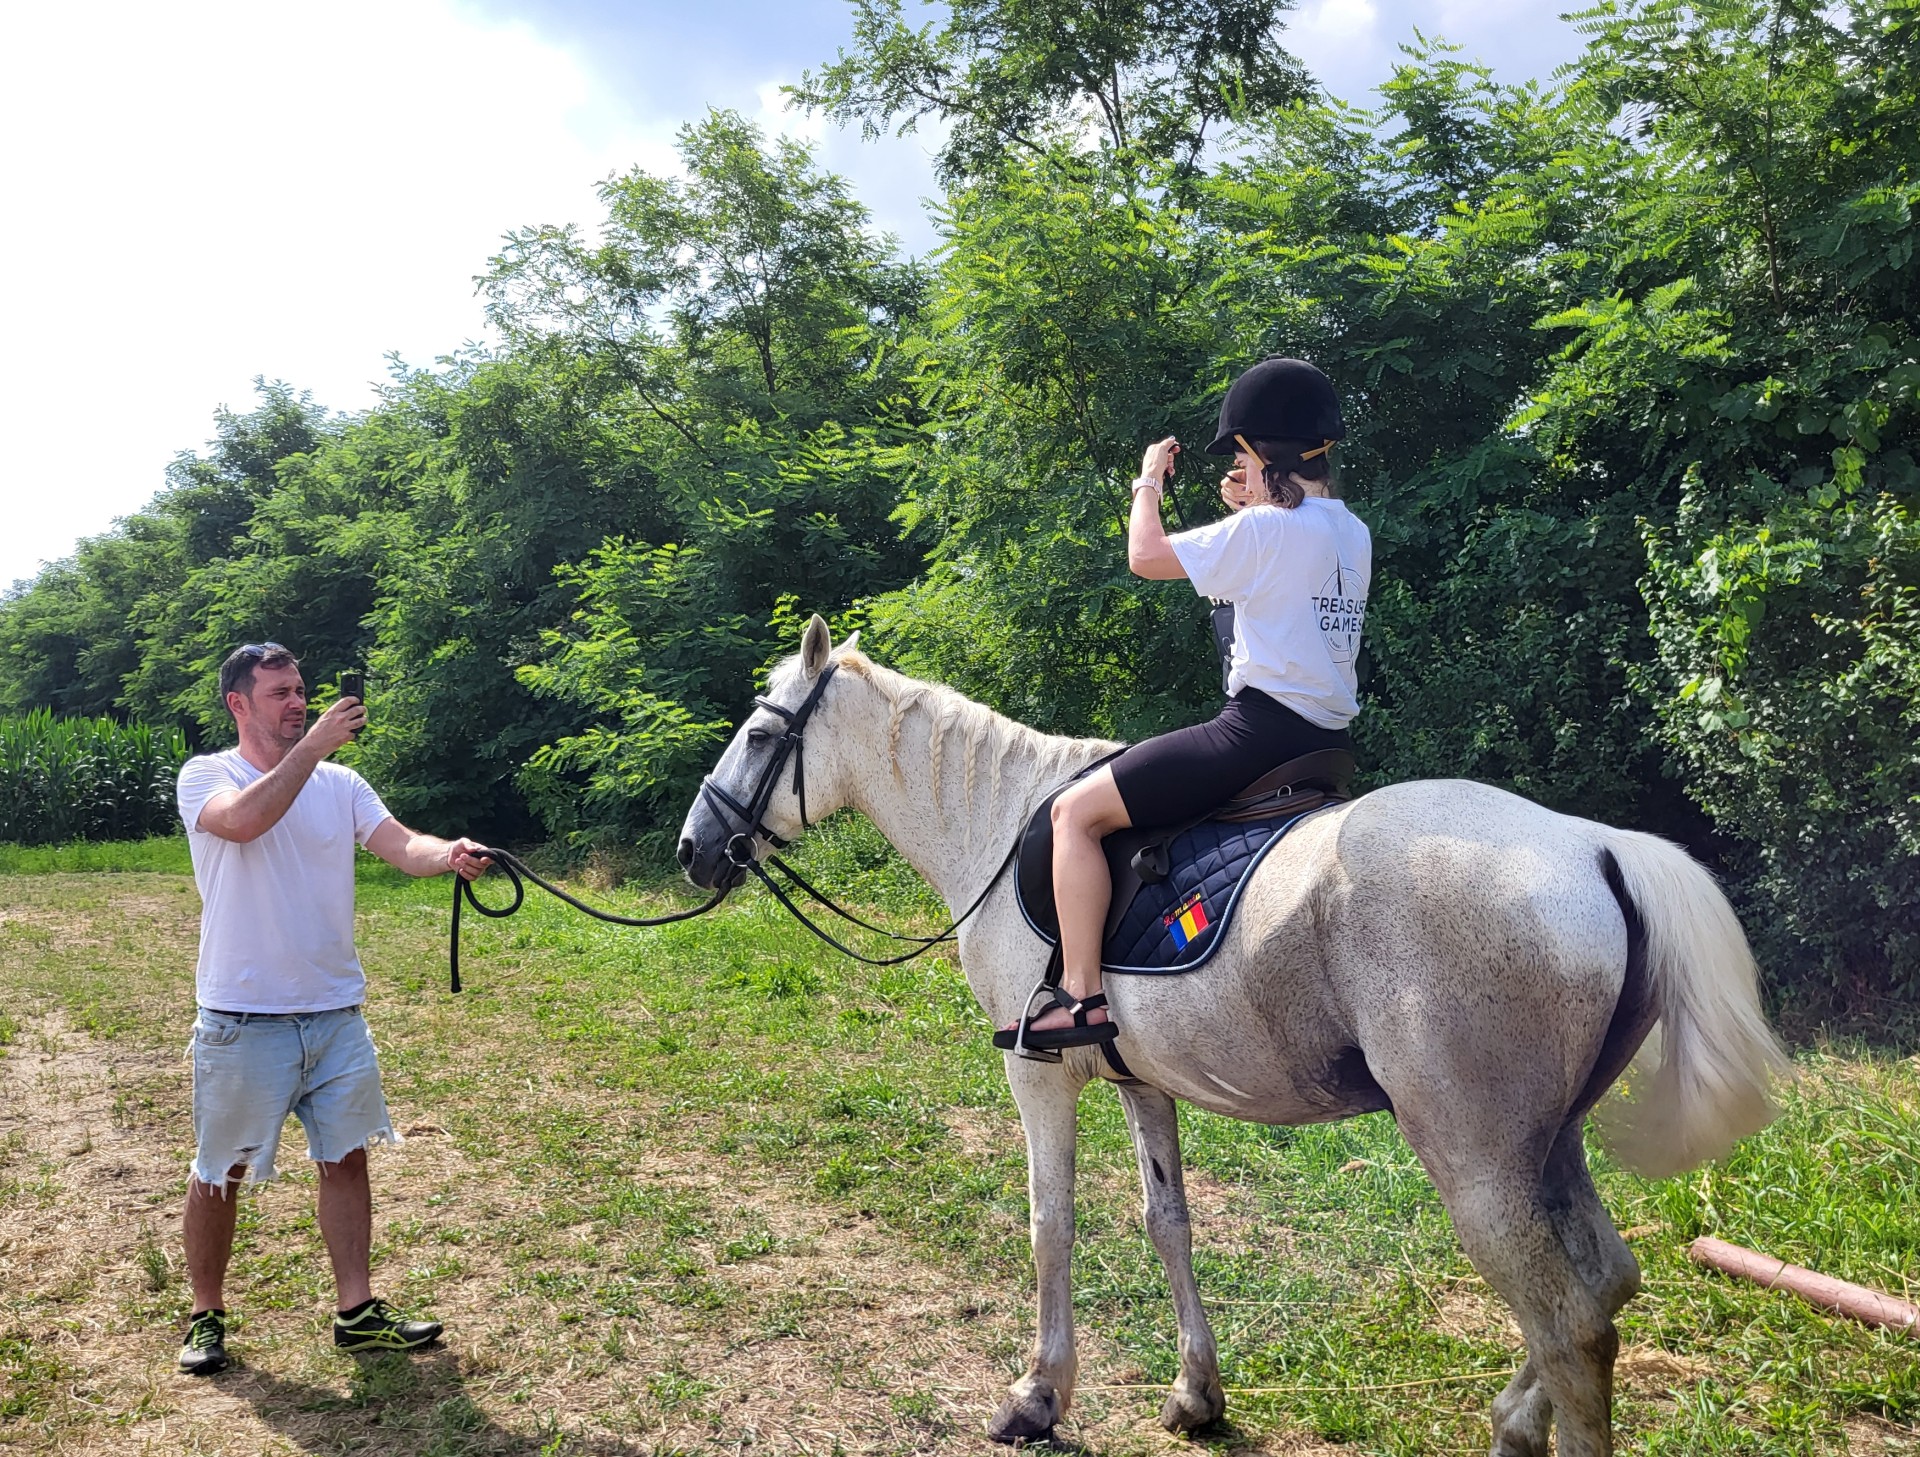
(1148, 483)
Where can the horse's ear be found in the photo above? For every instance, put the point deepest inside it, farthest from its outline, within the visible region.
(815, 643)
(852, 642)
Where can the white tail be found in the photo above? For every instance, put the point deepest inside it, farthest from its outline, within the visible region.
(1704, 1079)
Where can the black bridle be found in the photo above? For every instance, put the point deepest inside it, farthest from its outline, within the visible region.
(749, 817)
(748, 823)
(750, 820)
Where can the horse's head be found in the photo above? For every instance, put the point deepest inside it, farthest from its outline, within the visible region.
(773, 780)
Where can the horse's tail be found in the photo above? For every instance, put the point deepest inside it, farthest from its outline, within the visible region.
(1703, 1079)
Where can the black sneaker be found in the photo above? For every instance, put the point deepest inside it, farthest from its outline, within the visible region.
(377, 1326)
(205, 1351)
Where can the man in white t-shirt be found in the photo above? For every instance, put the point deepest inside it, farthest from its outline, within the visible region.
(273, 829)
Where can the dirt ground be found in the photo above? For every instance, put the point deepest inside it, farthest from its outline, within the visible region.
(833, 1341)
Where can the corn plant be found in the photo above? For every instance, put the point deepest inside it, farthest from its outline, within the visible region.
(85, 779)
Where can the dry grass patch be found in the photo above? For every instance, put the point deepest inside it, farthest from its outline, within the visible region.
(786, 1324)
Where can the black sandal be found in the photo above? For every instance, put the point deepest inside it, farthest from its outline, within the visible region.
(1025, 1041)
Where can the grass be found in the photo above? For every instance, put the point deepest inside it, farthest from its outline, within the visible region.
(165, 854)
(711, 1185)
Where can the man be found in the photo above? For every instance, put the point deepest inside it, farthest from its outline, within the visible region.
(272, 827)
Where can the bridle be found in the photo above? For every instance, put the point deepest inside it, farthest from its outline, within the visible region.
(751, 826)
(748, 822)
(749, 818)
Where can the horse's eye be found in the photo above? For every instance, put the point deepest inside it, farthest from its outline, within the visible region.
(758, 736)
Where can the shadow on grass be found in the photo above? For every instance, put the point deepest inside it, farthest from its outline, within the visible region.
(411, 1406)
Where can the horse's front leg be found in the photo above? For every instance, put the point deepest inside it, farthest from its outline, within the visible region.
(1048, 1095)
(1197, 1398)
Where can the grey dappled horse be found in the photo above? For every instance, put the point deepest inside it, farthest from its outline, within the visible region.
(1481, 966)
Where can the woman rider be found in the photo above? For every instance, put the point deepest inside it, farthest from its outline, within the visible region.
(1296, 564)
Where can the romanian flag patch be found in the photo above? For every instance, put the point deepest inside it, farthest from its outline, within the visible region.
(1186, 922)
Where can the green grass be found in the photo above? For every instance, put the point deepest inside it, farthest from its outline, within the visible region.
(750, 1058)
(164, 854)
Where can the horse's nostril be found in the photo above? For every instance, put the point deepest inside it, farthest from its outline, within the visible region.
(685, 852)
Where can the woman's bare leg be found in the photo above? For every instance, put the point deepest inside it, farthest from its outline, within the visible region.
(1082, 888)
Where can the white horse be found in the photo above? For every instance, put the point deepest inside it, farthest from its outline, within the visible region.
(1481, 966)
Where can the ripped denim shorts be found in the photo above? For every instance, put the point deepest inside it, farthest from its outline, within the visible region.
(250, 1070)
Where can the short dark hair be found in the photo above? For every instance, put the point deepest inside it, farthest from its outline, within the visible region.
(1289, 457)
(236, 673)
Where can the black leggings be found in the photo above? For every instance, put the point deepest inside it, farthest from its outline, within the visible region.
(1176, 776)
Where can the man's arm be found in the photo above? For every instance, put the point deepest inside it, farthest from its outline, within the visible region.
(246, 814)
(419, 854)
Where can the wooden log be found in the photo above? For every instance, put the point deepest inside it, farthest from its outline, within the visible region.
(1842, 1297)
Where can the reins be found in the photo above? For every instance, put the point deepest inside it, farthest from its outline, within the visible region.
(515, 868)
(925, 943)
(741, 854)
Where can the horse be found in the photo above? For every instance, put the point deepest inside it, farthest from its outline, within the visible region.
(1480, 966)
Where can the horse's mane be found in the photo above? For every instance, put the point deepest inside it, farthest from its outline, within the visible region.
(1048, 758)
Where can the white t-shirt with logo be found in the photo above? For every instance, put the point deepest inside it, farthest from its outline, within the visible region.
(1298, 580)
(276, 914)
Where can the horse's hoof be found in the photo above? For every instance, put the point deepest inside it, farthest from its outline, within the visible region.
(1190, 1407)
(1026, 1416)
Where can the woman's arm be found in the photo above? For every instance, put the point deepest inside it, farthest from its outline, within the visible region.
(1149, 553)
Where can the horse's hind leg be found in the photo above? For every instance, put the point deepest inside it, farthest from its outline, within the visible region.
(1500, 1209)
(1197, 1399)
(1583, 1223)
(1522, 1413)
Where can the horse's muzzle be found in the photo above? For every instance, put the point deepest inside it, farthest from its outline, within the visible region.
(710, 867)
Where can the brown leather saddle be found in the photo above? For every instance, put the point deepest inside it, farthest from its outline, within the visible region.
(1141, 855)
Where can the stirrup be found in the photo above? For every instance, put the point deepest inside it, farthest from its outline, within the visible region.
(1019, 1039)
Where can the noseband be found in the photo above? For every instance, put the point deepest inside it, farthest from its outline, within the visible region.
(747, 819)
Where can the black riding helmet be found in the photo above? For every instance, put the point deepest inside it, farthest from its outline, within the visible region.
(1279, 399)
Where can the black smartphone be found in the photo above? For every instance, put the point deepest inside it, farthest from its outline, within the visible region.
(353, 684)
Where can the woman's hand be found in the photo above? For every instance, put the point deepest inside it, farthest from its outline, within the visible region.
(1234, 489)
(1157, 463)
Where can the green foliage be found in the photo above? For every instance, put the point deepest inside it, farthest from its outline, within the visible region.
(85, 779)
(745, 326)
(1631, 381)
(1772, 389)
(1005, 74)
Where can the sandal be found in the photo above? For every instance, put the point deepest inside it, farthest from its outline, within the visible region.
(1082, 1033)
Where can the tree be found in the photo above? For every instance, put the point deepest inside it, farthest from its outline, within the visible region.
(1019, 76)
(741, 328)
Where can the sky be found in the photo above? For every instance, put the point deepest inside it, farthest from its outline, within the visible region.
(204, 192)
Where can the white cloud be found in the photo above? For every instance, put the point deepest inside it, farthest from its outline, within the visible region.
(201, 193)
(777, 118)
(1333, 22)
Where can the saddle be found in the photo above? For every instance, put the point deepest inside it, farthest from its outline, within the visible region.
(1174, 886)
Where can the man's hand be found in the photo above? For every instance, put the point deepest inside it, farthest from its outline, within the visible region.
(425, 855)
(337, 725)
(463, 862)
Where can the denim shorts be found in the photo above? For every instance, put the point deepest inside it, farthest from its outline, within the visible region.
(250, 1070)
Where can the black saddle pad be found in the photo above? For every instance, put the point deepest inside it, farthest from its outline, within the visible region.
(1173, 925)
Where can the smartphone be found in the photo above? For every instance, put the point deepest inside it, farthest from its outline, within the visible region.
(353, 684)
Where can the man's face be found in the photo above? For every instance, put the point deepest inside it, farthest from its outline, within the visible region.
(278, 704)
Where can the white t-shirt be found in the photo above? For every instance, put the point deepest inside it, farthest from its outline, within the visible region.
(276, 914)
(1298, 580)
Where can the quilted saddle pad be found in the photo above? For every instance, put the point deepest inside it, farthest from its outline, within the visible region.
(1173, 925)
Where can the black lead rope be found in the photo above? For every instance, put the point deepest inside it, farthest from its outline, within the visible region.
(514, 868)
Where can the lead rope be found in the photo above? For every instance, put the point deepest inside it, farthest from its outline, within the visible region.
(515, 868)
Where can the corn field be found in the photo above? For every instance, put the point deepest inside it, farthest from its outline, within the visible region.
(67, 779)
